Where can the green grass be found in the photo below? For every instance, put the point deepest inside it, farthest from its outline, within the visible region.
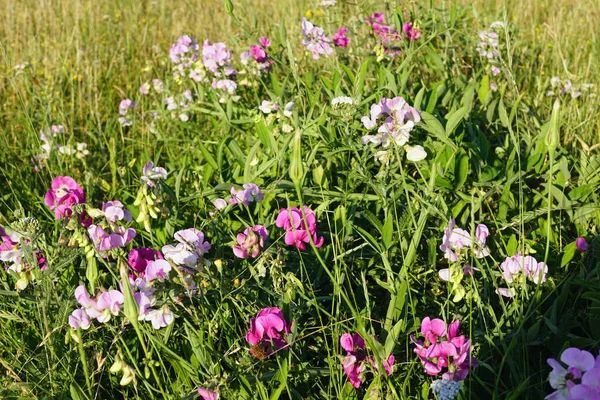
(489, 161)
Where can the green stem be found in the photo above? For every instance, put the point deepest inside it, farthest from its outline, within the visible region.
(88, 377)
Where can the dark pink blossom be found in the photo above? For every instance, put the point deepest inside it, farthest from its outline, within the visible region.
(340, 39)
(299, 230)
(411, 31)
(266, 334)
(63, 194)
(251, 242)
(138, 258)
(356, 360)
(582, 244)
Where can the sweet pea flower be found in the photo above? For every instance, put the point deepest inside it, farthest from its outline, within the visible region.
(398, 117)
(582, 244)
(250, 193)
(411, 31)
(108, 304)
(299, 232)
(157, 269)
(454, 240)
(115, 211)
(184, 49)
(105, 241)
(268, 106)
(355, 362)
(189, 250)
(340, 39)
(266, 334)
(138, 258)
(581, 378)
(151, 175)
(315, 40)
(415, 153)
(251, 242)
(63, 194)
(220, 204)
(79, 319)
(161, 317)
(207, 394)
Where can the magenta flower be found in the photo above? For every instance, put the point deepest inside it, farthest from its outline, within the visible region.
(115, 211)
(453, 353)
(340, 39)
(266, 334)
(385, 32)
(582, 244)
(411, 32)
(356, 360)
(315, 40)
(299, 232)
(207, 394)
(63, 194)
(251, 242)
(138, 259)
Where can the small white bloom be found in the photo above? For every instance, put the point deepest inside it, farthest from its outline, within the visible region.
(497, 24)
(415, 153)
(341, 100)
(268, 106)
(327, 3)
(287, 110)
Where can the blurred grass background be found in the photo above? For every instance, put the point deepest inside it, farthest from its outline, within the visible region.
(89, 54)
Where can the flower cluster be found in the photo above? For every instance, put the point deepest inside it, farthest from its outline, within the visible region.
(64, 193)
(527, 266)
(444, 349)
(249, 193)
(108, 234)
(315, 40)
(489, 49)
(155, 84)
(300, 226)
(559, 87)
(251, 242)
(394, 120)
(178, 105)
(101, 308)
(189, 251)
(581, 378)
(340, 39)
(387, 33)
(356, 360)
(412, 32)
(184, 52)
(266, 334)
(257, 60)
(456, 241)
(274, 112)
(341, 101)
(125, 111)
(445, 389)
(21, 255)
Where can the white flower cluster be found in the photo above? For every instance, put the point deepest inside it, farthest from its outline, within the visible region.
(341, 100)
(445, 389)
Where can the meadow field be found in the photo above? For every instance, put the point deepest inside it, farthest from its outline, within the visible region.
(250, 199)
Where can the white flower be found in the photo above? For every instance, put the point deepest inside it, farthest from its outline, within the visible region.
(151, 174)
(497, 24)
(327, 3)
(287, 110)
(268, 106)
(342, 100)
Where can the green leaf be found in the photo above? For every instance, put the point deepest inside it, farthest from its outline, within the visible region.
(388, 230)
(461, 169)
(568, 254)
(359, 85)
(455, 118)
(503, 116)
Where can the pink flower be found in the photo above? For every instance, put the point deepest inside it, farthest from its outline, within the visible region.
(138, 258)
(185, 49)
(356, 360)
(411, 32)
(299, 232)
(582, 244)
(207, 394)
(216, 58)
(64, 192)
(315, 40)
(264, 42)
(250, 193)
(581, 379)
(398, 118)
(251, 242)
(220, 204)
(266, 332)
(115, 211)
(158, 269)
(105, 241)
(151, 175)
(340, 39)
(79, 319)
(453, 353)
(126, 105)
(109, 303)
(386, 33)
